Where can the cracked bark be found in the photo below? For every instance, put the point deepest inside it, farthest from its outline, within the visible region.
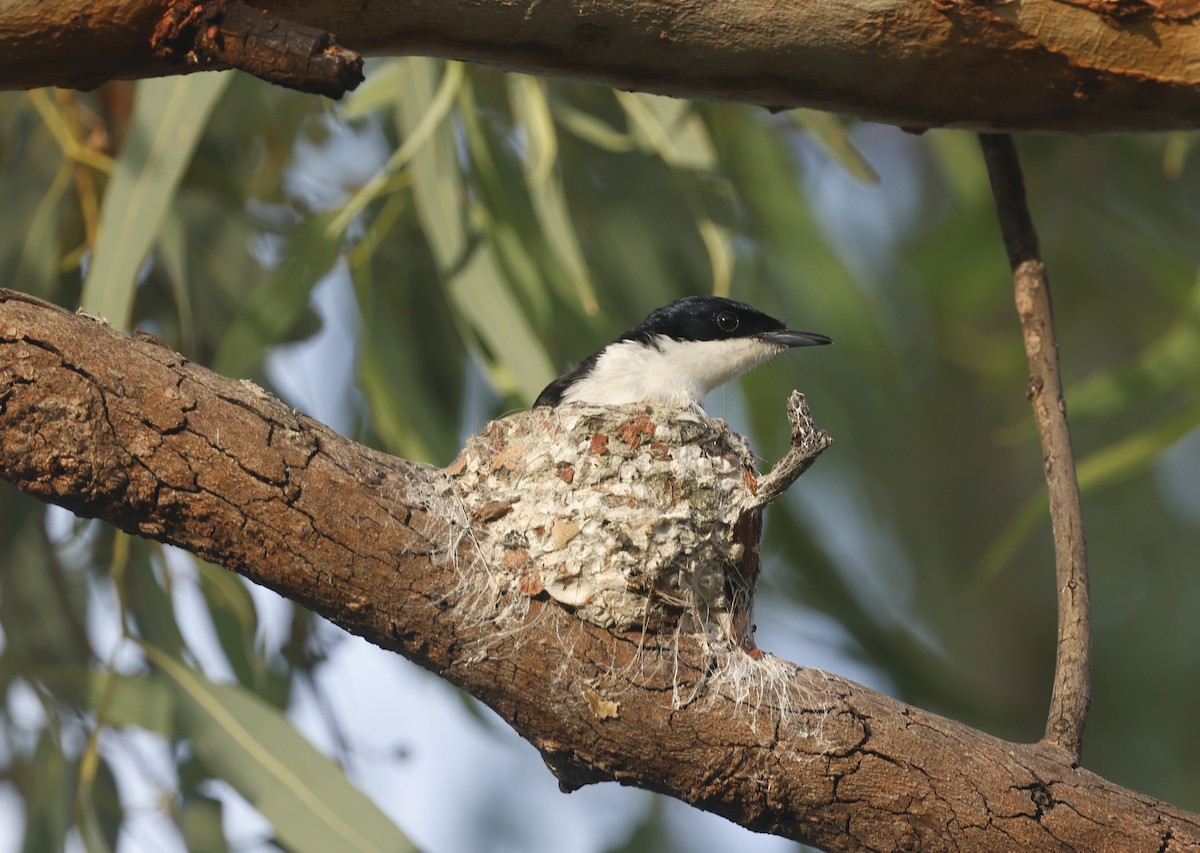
(119, 428)
(1034, 65)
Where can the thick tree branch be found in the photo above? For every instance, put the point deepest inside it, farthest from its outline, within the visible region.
(1038, 64)
(120, 428)
(1071, 694)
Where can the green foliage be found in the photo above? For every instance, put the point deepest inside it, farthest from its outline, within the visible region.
(484, 230)
(251, 744)
(169, 115)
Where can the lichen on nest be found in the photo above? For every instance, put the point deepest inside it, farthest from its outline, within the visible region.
(635, 517)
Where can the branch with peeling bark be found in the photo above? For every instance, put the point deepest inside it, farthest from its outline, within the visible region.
(219, 34)
(1035, 65)
(126, 430)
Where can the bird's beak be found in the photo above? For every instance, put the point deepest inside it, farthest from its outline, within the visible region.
(792, 338)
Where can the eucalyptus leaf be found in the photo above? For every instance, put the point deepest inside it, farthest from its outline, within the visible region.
(275, 308)
(47, 785)
(670, 128)
(234, 618)
(594, 130)
(146, 701)
(829, 131)
(172, 250)
(148, 602)
(1119, 460)
(254, 747)
(169, 116)
(40, 605)
(200, 821)
(476, 286)
(411, 366)
(436, 112)
(1169, 366)
(39, 261)
(501, 211)
(101, 815)
(546, 190)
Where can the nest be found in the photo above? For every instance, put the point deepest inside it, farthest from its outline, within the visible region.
(634, 517)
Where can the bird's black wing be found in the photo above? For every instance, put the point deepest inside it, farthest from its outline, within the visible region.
(553, 393)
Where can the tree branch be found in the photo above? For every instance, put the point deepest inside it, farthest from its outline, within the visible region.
(808, 443)
(1071, 694)
(219, 34)
(1039, 64)
(123, 429)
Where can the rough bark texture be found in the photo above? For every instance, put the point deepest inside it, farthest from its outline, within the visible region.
(1028, 65)
(219, 34)
(126, 430)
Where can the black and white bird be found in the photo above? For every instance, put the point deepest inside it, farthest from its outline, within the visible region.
(677, 355)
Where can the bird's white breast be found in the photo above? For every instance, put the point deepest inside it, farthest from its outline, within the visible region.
(671, 372)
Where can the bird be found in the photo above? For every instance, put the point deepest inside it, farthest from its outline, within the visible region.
(677, 355)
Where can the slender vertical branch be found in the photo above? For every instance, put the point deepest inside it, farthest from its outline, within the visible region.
(1072, 670)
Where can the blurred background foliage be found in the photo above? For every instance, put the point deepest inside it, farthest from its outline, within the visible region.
(425, 256)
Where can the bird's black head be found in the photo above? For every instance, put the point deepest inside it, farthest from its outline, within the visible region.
(677, 355)
(714, 318)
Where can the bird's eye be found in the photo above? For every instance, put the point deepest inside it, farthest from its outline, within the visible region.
(727, 321)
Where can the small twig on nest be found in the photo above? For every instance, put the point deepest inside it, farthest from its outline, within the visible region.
(216, 34)
(1071, 694)
(808, 443)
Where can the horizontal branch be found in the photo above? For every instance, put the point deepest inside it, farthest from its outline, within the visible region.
(124, 429)
(220, 34)
(1034, 65)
